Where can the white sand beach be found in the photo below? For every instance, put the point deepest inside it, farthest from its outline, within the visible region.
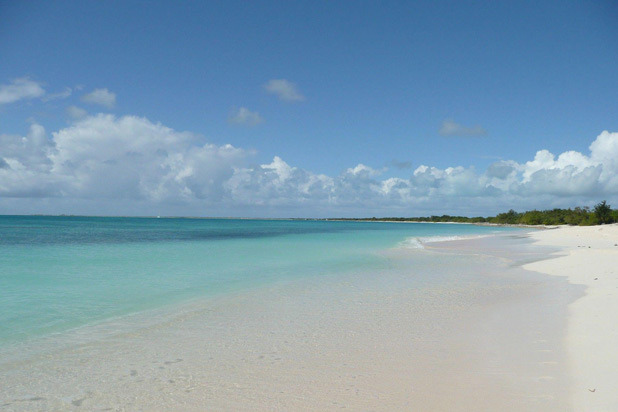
(590, 258)
(490, 335)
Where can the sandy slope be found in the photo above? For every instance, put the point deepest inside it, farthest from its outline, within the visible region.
(590, 258)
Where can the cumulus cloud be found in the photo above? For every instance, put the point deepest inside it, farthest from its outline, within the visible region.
(101, 97)
(76, 112)
(604, 151)
(362, 170)
(452, 128)
(133, 160)
(284, 90)
(26, 170)
(20, 89)
(245, 116)
(277, 183)
(106, 157)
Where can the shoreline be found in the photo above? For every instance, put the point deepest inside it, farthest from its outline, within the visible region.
(326, 219)
(488, 224)
(478, 336)
(588, 257)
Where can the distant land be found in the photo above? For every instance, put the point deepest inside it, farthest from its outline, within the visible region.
(602, 213)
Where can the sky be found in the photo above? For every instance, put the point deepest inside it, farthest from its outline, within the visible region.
(307, 108)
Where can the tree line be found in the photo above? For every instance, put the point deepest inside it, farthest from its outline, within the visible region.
(602, 213)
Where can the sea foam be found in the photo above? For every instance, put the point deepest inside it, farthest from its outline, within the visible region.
(419, 242)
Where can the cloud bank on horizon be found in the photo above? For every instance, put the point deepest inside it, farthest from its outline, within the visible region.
(107, 164)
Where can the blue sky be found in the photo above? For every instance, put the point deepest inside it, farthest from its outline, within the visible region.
(322, 86)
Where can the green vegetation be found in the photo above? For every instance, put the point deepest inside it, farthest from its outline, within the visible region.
(602, 213)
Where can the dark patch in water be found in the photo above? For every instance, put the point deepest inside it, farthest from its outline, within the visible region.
(52, 230)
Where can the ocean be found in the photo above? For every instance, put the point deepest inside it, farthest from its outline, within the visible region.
(62, 273)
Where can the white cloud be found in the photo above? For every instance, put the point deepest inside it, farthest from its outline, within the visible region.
(284, 90)
(132, 157)
(362, 170)
(76, 112)
(135, 162)
(57, 96)
(452, 128)
(544, 160)
(103, 157)
(27, 166)
(245, 116)
(20, 89)
(545, 181)
(276, 184)
(604, 150)
(101, 97)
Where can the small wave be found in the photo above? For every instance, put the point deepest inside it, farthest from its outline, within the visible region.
(419, 242)
(411, 243)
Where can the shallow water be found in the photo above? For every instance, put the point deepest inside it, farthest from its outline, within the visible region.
(59, 273)
(454, 326)
(191, 315)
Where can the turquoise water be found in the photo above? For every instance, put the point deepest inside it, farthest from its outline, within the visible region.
(59, 273)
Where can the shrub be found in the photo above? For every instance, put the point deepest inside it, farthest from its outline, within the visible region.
(603, 213)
